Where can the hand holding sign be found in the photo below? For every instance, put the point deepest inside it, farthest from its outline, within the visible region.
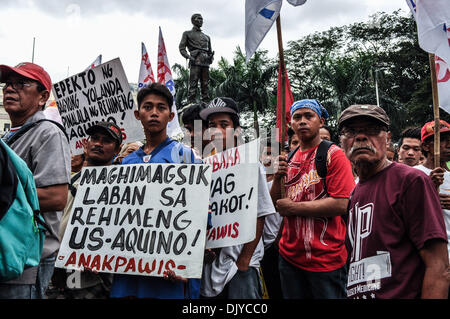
(234, 199)
(138, 219)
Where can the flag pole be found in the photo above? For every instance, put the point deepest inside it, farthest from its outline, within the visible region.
(283, 95)
(437, 124)
(32, 55)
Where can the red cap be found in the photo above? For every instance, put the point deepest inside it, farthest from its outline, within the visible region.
(28, 70)
(428, 129)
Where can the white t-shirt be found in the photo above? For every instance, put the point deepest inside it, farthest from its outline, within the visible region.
(443, 189)
(217, 274)
(272, 225)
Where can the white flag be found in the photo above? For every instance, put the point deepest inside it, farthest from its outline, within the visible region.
(96, 62)
(296, 2)
(146, 76)
(443, 83)
(433, 26)
(259, 18)
(433, 22)
(165, 77)
(51, 112)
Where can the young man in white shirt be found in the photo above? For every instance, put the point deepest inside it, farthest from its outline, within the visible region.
(234, 274)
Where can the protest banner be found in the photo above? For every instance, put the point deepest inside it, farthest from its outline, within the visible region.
(141, 219)
(98, 94)
(234, 195)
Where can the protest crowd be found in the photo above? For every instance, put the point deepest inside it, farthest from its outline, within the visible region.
(120, 197)
(334, 219)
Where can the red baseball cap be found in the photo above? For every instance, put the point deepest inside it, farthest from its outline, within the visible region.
(428, 129)
(28, 70)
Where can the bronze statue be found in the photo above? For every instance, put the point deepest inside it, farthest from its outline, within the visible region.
(200, 56)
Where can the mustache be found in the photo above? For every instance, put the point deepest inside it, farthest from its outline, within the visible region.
(97, 149)
(362, 146)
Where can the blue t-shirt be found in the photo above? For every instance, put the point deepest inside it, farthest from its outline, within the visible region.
(169, 151)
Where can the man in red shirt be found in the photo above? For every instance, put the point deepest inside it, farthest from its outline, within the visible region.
(396, 231)
(312, 251)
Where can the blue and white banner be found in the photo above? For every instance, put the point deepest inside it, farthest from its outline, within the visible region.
(259, 18)
(433, 25)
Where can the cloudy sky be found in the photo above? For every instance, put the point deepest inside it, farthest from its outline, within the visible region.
(70, 34)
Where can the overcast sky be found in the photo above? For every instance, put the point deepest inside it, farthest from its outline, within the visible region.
(70, 34)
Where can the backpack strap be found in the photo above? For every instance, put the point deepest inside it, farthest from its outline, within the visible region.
(29, 126)
(321, 161)
(291, 153)
(8, 182)
(72, 188)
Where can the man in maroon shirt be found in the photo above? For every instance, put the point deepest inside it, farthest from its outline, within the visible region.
(395, 231)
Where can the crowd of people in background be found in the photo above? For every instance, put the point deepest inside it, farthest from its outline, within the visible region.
(355, 217)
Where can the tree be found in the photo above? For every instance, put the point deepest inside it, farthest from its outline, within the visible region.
(346, 79)
(181, 84)
(338, 67)
(248, 84)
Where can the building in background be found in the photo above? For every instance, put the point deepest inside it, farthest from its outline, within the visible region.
(5, 123)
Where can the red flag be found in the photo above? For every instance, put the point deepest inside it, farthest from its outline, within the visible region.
(165, 77)
(443, 83)
(289, 102)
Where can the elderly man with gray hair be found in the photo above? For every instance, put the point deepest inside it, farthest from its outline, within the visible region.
(395, 229)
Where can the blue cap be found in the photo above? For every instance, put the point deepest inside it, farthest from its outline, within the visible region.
(311, 104)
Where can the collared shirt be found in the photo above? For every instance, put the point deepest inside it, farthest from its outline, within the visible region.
(46, 151)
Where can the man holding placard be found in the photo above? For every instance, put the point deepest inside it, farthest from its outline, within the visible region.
(234, 274)
(154, 112)
(102, 145)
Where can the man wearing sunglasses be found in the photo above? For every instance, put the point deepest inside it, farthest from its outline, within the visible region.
(45, 149)
(395, 229)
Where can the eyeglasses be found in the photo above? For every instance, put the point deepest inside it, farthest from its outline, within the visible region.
(369, 131)
(19, 85)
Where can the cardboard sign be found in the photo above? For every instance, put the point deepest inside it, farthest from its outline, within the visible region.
(138, 219)
(98, 94)
(234, 196)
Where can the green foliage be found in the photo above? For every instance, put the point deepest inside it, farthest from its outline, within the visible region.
(338, 67)
(250, 85)
(181, 85)
(341, 66)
